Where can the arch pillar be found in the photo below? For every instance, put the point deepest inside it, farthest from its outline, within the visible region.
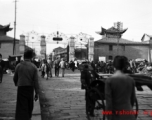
(71, 48)
(91, 49)
(22, 44)
(43, 47)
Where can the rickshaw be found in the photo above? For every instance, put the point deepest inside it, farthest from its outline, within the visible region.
(95, 92)
(12, 60)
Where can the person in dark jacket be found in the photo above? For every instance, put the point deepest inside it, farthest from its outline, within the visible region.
(93, 65)
(57, 67)
(120, 92)
(26, 79)
(88, 75)
(2, 65)
(72, 66)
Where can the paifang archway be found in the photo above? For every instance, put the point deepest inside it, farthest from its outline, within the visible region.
(38, 43)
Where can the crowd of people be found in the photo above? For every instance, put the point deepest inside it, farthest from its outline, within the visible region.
(26, 79)
(47, 65)
(133, 66)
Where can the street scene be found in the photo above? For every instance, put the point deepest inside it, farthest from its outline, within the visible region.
(61, 99)
(75, 60)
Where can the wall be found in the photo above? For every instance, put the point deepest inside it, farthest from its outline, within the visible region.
(137, 52)
(7, 49)
(130, 51)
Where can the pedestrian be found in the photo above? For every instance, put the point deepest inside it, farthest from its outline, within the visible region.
(57, 67)
(75, 63)
(34, 61)
(70, 64)
(78, 65)
(88, 75)
(93, 65)
(46, 69)
(22, 59)
(26, 80)
(134, 66)
(17, 61)
(62, 66)
(50, 62)
(73, 66)
(42, 68)
(2, 65)
(120, 92)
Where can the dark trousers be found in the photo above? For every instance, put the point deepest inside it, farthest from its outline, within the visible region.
(90, 104)
(24, 105)
(56, 71)
(50, 72)
(43, 73)
(1, 74)
(73, 68)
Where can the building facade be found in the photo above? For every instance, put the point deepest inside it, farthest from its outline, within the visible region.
(79, 49)
(6, 42)
(60, 52)
(108, 48)
(112, 45)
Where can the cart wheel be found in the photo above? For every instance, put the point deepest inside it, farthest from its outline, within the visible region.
(135, 107)
(96, 104)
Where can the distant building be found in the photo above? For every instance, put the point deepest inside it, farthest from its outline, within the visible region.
(6, 42)
(112, 45)
(60, 52)
(80, 52)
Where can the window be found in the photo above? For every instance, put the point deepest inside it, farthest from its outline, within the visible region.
(123, 47)
(110, 47)
(110, 57)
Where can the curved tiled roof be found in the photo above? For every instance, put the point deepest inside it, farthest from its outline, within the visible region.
(111, 30)
(5, 27)
(6, 38)
(115, 40)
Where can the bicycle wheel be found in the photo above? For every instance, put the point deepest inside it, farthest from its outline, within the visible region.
(96, 103)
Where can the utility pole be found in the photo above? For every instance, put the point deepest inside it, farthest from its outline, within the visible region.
(14, 30)
(117, 44)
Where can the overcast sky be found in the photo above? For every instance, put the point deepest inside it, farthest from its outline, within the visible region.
(75, 16)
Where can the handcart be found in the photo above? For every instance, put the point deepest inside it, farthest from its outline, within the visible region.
(96, 98)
